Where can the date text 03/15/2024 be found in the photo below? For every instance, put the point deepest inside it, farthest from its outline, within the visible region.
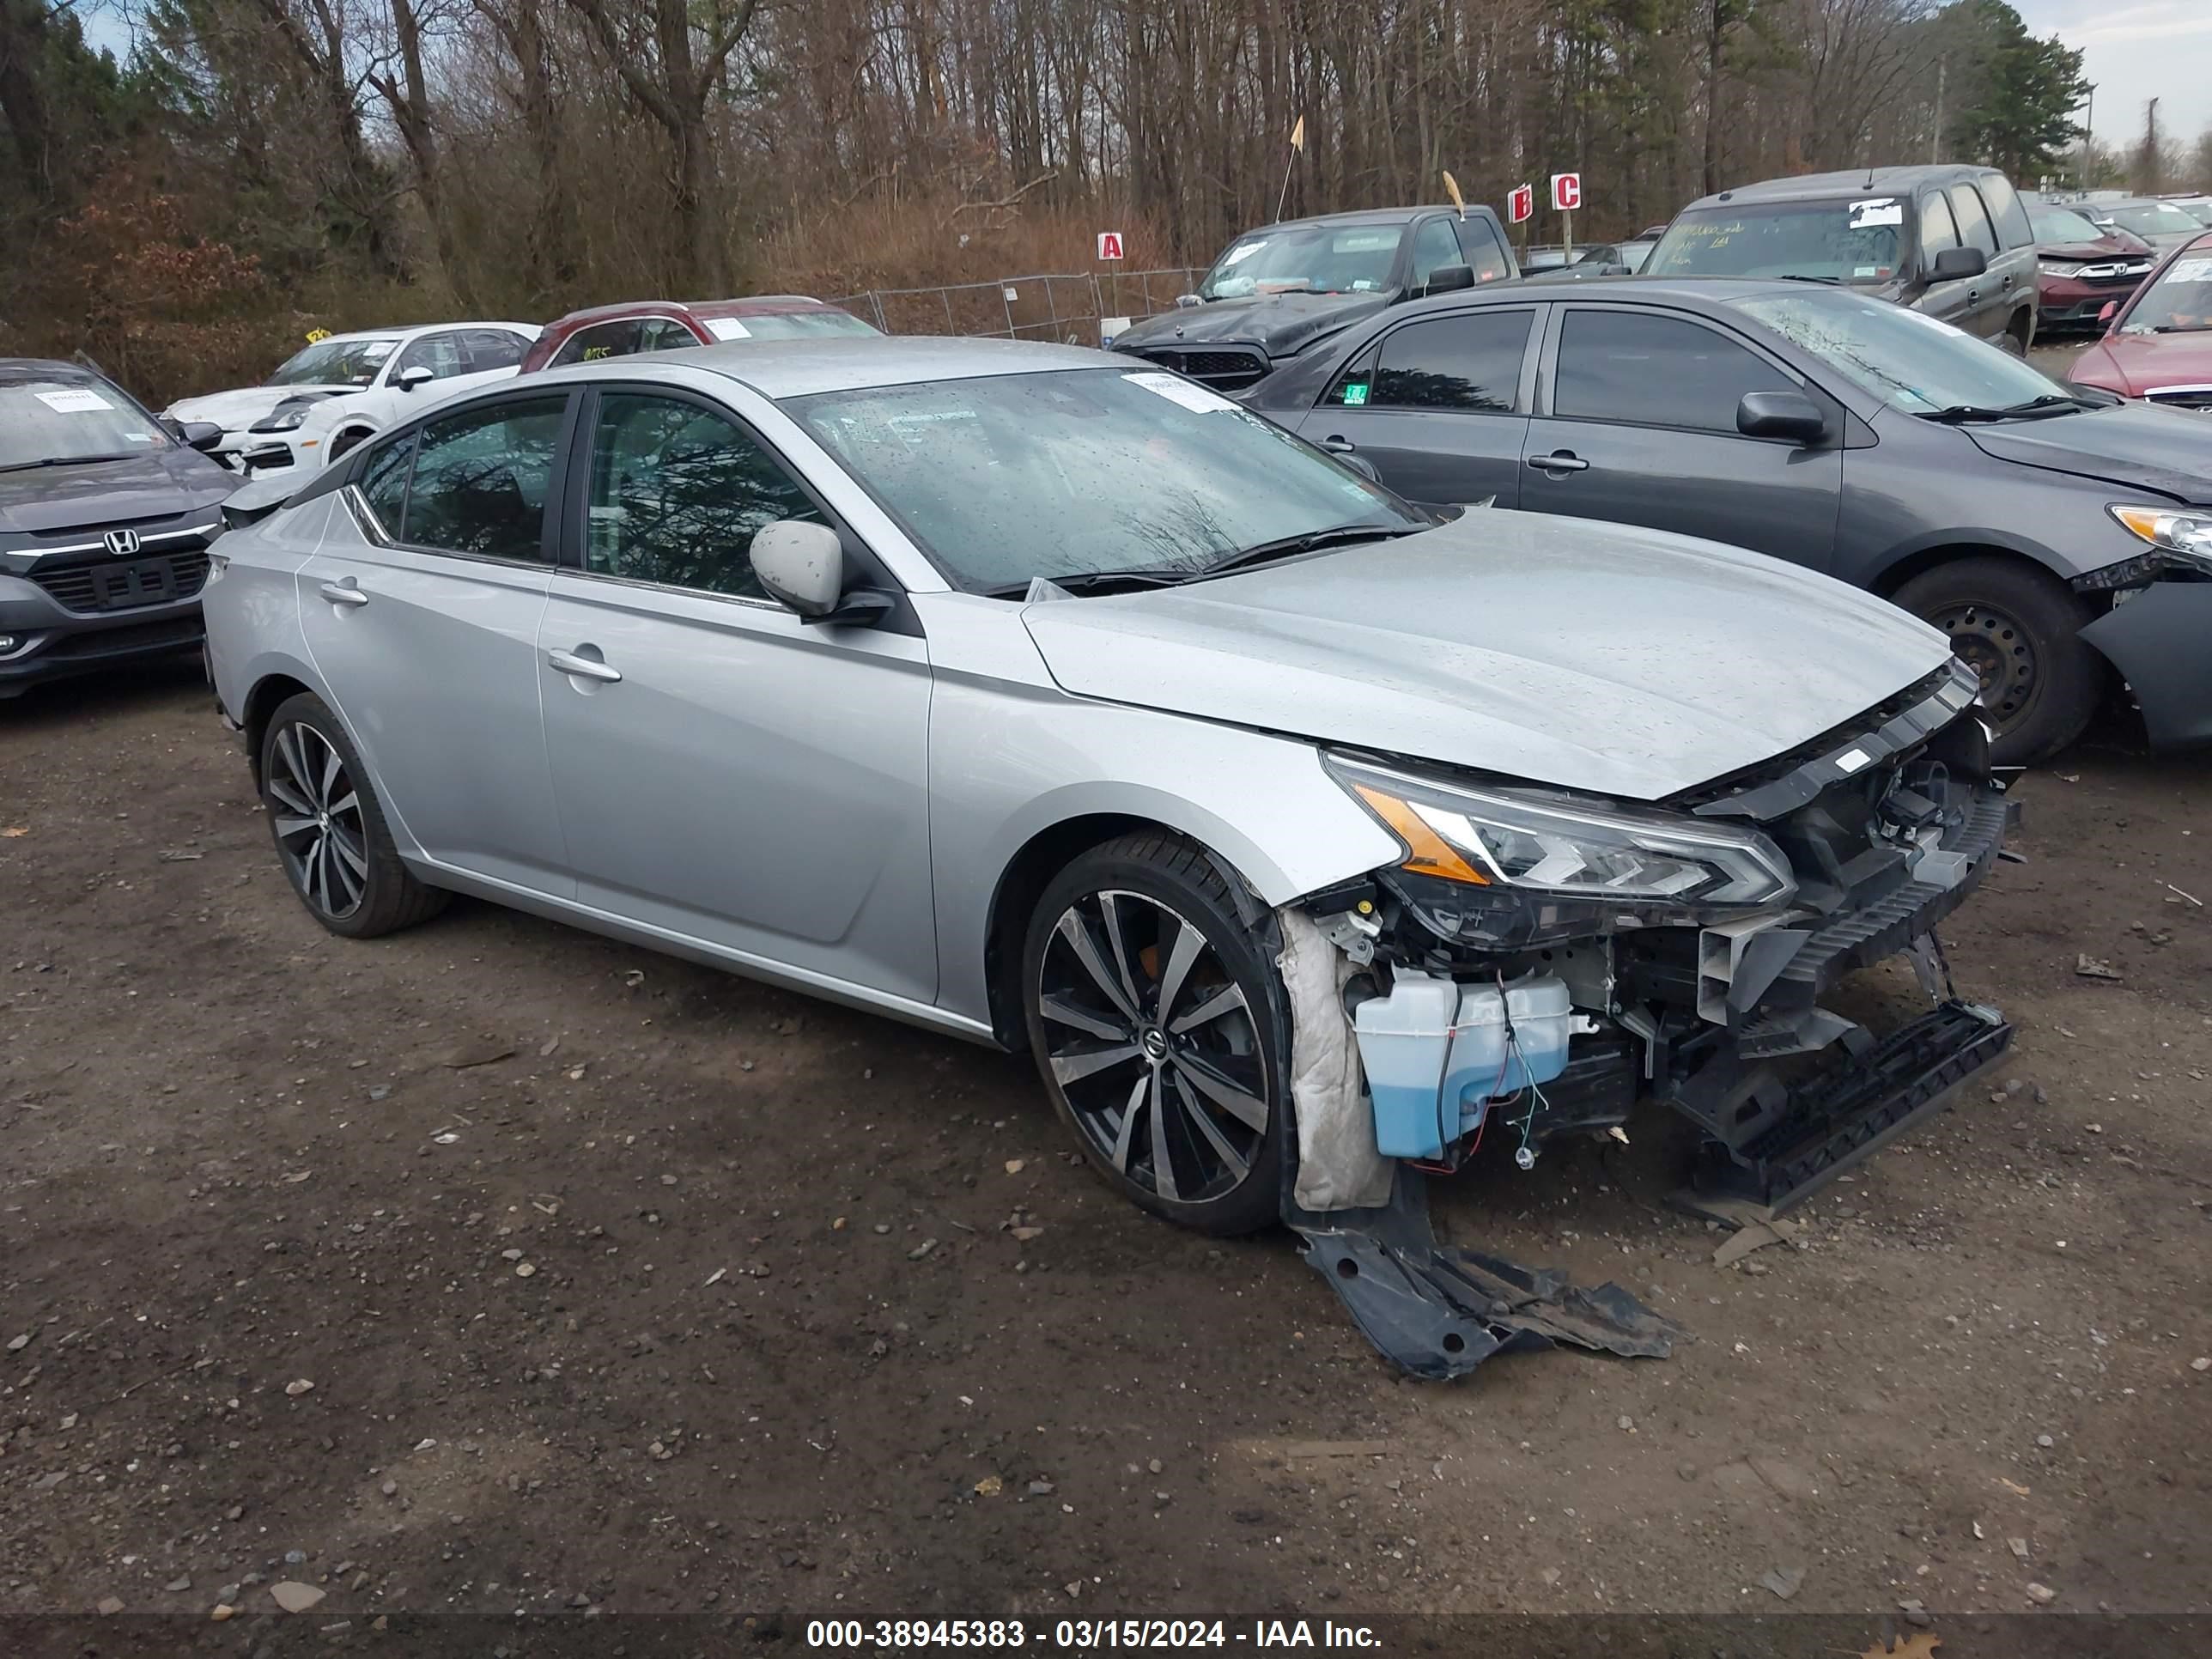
(1085, 1635)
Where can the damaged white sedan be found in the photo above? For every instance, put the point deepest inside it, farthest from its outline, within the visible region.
(1295, 830)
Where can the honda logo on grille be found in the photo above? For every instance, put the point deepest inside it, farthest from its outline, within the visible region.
(122, 543)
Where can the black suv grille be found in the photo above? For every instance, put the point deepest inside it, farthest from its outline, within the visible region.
(125, 584)
(1225, 369)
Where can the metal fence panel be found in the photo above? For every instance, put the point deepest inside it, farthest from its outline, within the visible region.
(1064, 306)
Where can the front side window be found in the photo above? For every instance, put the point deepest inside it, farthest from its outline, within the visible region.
(1939, 231)
(1858, 240)
(1905, 356)
(72, 420)
(1000, 478)
(678, 491)
(1974, 229)
(336, 362)
(1434, 247)
(1316, 259)
(383, 485)
(444, 355)
(663, 334)
(1655, 371)
(1470, 363)
(1485, 251)
(2180, 300)
(480, 480)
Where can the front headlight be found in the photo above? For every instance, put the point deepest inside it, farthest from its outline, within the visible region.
(285, 417)
(2056, 267)
(1586, 867)
(2185, 535)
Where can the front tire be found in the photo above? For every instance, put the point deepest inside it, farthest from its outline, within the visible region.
(2018, 627)
(329, 827)
(1159, 1026)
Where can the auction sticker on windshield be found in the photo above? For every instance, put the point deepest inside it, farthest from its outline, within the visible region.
(1182, 392)
(77, 400)
(2191, 271)
(1879, 210)
(727, 328)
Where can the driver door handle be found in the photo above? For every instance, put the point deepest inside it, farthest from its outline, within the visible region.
(584, 668)
(1559, 461)
(346, 593)
(1337, 444)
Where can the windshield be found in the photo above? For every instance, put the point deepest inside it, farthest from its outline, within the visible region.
(1326, 258)
(2063, 225)
(1914, 362)
(71, 420)
(787, 325)
(336, 362)
(1010, 476)
(2156, 219)
(2199, 208)
(2178, 299)
(1849, 242)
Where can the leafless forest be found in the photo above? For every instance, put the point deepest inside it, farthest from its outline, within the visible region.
(257, 167)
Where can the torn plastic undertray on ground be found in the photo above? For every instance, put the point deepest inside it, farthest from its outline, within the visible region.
(1439, 1312)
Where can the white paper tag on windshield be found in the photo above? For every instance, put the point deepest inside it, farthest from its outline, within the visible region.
(77, 400)
(1178, 390)
(1239, 254)
(2191, 271)
(1879, 210)
(727, 328)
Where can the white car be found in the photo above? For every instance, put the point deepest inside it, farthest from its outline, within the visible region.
(338, 390)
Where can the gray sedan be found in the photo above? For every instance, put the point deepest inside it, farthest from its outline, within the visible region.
(1066, 707)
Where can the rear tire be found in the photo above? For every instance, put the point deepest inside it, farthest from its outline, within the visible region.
(2018, 627)
(329, 827)
(1160, 1028)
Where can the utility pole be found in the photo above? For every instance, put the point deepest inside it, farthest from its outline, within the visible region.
(1936, 139)
(2088, 136)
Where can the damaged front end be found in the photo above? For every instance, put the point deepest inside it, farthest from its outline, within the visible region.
(1540, 964)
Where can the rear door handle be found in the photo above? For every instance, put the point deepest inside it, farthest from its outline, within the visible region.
(347, 593)
(584, 668)
(1337, 444)
(1559, 461)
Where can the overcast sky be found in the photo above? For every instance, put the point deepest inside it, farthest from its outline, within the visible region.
(2135, 51)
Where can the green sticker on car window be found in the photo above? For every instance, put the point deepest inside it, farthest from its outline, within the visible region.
(1355, 394)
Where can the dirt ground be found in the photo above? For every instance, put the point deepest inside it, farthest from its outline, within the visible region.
(494, 1267)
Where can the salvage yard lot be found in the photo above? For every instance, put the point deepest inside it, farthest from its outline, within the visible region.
(622, 1283)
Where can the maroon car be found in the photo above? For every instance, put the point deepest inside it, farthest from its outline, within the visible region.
(621, 330)
(2158, 347)
(2081, 267)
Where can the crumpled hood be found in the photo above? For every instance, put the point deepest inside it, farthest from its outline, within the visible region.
(235, 411)
(1280, 324)
(2097, 253)
(2129, 446)
(48, 500)
(1601, 656)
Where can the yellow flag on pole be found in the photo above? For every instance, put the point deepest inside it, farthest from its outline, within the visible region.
(1298, 135)
(1451, 189)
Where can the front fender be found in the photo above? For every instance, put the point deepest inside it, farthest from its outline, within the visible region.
(2156, 642)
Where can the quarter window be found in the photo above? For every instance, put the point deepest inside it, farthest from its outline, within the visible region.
(384, 486)
(1470, 362)
(1974, 230)
(1655, 371)
(678, 491)
(480, 480)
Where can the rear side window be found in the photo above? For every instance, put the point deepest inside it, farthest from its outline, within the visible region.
(1655, 371)
(2006, 210)
(1974, 227)
(492, 348)
(1484, 251)
(586, 345)
(480, 480)
(1471, 362)
(1938, 230)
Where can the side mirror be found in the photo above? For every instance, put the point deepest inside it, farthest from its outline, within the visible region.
(1358, 463)
(1449, 279)
(203, 435)
(1954, 264)
(418, 375)
(2109, 310)
(1185, 300)
(1790, 415)
(801, 565)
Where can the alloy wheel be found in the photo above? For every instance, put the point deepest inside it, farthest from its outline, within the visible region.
(1153, 1046)
(2002, 651)
(317, 813)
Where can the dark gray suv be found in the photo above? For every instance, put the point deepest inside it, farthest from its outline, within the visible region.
(2057, 534)
(1952, 241)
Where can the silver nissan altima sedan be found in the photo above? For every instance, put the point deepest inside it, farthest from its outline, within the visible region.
(1008, 690)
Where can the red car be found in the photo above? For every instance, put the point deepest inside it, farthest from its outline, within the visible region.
(670, 324)
(2158, 347)
(2081, 267)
